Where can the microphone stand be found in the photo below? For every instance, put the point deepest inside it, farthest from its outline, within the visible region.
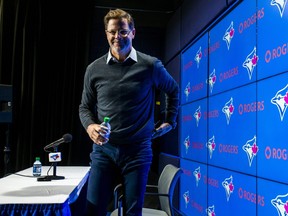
(55, 177)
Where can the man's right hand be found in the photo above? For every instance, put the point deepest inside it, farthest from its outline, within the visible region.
(94, 131)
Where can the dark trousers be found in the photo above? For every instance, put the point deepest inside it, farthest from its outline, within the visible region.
(128, 163)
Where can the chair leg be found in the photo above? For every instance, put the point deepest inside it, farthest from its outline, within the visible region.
(120, 200)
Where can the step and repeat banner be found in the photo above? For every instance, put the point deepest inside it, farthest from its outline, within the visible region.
(233, 122)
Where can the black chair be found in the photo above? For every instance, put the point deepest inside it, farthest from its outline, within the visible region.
(165, 190)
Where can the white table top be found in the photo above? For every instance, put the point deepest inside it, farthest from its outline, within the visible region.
(16, 189)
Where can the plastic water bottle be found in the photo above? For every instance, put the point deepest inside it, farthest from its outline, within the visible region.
(106, 124)
(37, 167)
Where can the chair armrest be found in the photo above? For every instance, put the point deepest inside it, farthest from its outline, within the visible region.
(155, 194)
(117, 188)
(151, 186)
(151, 189)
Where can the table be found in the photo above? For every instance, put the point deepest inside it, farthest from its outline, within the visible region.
(22, 194)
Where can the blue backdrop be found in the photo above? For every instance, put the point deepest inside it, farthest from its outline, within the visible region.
(233, 121)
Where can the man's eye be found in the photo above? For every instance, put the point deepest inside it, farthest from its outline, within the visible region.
(124, 32)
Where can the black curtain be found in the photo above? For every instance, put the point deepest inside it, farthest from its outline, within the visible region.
(44, 50)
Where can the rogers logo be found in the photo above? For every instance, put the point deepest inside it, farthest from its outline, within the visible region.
(275, 53)
(251, 196)
(275, 153)
(250, 107)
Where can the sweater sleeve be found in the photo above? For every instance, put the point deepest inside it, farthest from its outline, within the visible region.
(88, 101)
(165, 82)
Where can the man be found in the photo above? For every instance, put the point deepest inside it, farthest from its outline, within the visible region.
(121, 85)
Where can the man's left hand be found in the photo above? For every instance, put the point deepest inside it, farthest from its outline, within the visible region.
(161, 130)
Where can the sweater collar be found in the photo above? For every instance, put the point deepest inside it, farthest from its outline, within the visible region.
(132, 55)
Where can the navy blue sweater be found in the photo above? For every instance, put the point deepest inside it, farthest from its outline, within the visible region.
(125, 92)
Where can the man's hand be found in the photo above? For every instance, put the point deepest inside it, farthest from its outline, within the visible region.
(94, 131)
(161, 130)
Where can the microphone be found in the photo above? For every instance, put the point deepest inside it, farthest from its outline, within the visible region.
(66, 138)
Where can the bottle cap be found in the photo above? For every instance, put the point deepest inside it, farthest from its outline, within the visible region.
(106, 119)
(37, 158)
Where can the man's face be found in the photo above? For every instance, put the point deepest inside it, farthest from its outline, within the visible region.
(119, 36)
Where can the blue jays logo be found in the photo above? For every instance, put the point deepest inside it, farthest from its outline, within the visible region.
(229, 34)
(197, 175)
(187, 143)
(212, 80)
(211, 145)
(228, 110)
(251, 149)
(281, 4)
(281, 204)
(197, 115)
(54, 156)
(281, 101)
(251, 62)
(211, 211)
(187, 90)
(228, 186)
(198, 57)
(186, 198)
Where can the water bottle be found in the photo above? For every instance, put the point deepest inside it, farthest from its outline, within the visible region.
(37, 167)
(106, 124)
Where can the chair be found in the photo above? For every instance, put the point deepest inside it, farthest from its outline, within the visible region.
(166, 185)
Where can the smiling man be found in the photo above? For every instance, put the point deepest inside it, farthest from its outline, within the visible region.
(121, 85)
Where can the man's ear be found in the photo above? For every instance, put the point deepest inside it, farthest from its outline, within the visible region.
(134, 32)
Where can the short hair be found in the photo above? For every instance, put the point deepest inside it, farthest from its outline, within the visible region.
(119, 14)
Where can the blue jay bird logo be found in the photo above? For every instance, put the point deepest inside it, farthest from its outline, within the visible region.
(251, 62)
(54, 156)
(187, 143)
(211, 211)
(211, 80)
(197, 115)
(281, 204)
(187, 91)
(211, 145)
(186, 198)
(228, 186)
(229, 34)
(228, 110)
(197, 175)
(281, 4)
(198, 57)
(251, 149)
(281, 101)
